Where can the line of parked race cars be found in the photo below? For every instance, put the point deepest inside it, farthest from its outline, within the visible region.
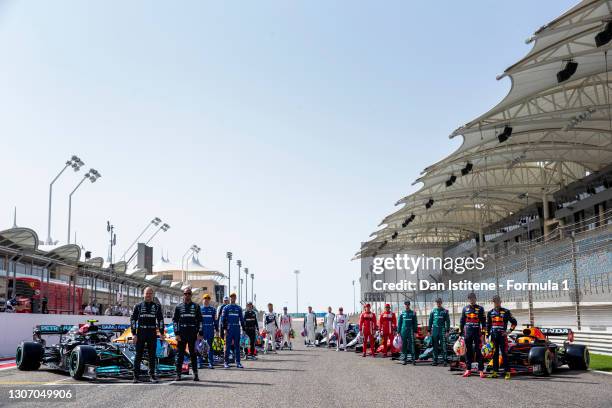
(91, 350)
(529, 351)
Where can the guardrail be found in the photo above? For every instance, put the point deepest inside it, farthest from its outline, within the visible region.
(598, 342)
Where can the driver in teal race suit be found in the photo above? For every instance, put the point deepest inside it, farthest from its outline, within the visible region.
(407, 327)
(439, 325)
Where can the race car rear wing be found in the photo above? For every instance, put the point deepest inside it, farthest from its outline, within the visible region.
(118, 328)
(556, 331)
(53, 329)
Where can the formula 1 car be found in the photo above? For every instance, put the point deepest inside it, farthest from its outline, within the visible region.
(127, 336)
(321, 339)
(532, 352)
(278, 340)
(87, 351)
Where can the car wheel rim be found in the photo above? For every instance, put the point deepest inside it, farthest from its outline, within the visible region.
(19, 356)
(73, 362)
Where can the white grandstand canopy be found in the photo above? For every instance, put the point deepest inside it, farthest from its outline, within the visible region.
(164, 265)
(26, 241)
(559, 133)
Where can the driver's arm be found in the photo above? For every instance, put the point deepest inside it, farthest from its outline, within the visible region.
(160, 320)
(134, 318)
(512, 321)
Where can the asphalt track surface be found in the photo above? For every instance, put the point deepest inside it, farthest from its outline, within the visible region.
(318, 377)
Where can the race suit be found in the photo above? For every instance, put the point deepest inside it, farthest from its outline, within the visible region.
(270, 325)
(497, 323)
(407, 327)
(310, 325)
(285, 326)
(146, 319)
(340, 326)
(209, 326)
(232, 320)
(367, 328)
(388, 325)
(251, 328)
(472, 324)
(328, 323)
(219, 315)
(439, 325)
(187, 323)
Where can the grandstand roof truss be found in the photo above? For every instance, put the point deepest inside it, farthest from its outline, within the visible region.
(560, 133)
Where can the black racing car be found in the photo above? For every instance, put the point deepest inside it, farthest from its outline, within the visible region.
(88, 351)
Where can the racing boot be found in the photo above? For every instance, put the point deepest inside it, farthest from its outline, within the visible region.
(178, 377)
(195, 376)
(413, 362)
(136, 379)
(494, 375)
(211, 366)
(154, 379)
(225, 365)
(483, 375)
(239, 365)
(507, 376)
(404, 362)
(435, 363)
(467, 373)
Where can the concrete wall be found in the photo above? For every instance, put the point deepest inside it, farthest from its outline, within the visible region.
(16, 327)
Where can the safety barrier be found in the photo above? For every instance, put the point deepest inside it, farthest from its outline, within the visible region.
(598, 342)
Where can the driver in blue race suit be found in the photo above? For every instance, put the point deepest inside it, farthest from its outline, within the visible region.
(209, 327)
(232, 320)
(497, 323)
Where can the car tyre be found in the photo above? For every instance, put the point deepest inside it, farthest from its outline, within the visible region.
(578, 357)
(544, 358)
(29, 355)
(79, 358)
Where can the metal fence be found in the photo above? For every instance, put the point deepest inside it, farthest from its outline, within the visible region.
(577, 258)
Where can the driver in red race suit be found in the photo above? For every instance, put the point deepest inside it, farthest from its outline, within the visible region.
(388, 325)
(472, 324)
(367, 328)
(497, 322)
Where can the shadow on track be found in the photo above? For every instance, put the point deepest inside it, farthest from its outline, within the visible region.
(237, 383)
(272, 370)
(189, 383)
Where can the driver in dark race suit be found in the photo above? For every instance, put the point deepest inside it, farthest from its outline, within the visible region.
(251, 328)
(232, 321)
(497, 324)
(472, 325)
(146, 320)
(187, 325)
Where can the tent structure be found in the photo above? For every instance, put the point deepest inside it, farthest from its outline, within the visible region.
(553, 128)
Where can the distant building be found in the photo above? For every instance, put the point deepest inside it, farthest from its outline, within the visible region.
(193, 274)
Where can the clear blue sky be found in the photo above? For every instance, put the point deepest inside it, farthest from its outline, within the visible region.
(282, 131)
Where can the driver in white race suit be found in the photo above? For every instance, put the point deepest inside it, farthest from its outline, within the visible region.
(285, 326)
(340, 326)
(328, 323)
(270, 325)
(310, 326)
